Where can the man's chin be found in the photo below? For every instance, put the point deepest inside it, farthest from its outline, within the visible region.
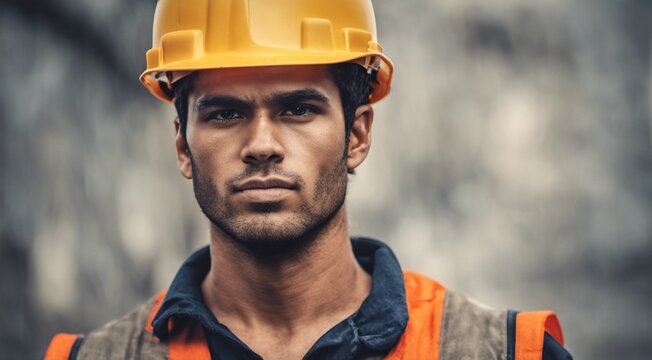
(266, 208)
(270, 246)
(274, 249)
(268, 233)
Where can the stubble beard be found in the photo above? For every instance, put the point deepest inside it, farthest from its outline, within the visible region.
(263, 234)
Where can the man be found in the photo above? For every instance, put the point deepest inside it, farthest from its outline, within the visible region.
(274, 112)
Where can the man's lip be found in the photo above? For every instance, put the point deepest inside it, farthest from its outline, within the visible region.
(271, 183)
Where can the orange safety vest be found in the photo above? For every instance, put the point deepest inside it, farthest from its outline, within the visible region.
(424, 336)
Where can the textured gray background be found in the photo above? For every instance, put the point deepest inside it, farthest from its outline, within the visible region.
(512, 162)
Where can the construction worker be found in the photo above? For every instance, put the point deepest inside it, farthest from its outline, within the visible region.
(274, 112)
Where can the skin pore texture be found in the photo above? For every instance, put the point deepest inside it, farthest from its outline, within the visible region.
(265, 149)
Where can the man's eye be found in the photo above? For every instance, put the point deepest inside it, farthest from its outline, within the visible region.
(299, 110)
(224, 115)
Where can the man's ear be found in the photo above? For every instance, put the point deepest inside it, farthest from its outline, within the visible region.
(183, 152)
(360, 136)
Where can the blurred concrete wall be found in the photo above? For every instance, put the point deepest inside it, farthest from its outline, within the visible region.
(513, 161)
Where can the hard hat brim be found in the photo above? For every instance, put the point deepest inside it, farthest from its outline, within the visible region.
(152, 78)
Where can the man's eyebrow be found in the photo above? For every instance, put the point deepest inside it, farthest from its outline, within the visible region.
(295, 96)
(222, 101)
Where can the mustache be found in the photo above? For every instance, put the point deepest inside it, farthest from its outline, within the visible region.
(263, 171)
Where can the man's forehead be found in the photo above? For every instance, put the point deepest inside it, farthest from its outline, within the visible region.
(265, 74)
(263, 81)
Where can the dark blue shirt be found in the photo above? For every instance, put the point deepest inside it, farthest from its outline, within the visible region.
(373, 330)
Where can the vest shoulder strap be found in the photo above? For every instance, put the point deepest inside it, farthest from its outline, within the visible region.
(186, 341)
(531, 327)
(62, 346)
(189, 343)
(425, 303)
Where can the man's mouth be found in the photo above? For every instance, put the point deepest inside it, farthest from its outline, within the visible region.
(262, 184)
(265, 189)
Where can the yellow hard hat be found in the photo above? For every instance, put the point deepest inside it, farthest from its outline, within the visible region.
(192, 35)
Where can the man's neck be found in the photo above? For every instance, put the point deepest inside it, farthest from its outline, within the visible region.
(303, 295)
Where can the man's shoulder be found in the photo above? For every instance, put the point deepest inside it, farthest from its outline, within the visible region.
(128, 337)
(125, 338)
(421, 288)
(460, 327)
(470, 329)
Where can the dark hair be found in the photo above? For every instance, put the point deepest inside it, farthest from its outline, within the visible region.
(354, 83)
(352, 80)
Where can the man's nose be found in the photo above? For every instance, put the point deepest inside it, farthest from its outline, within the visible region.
(262, 144)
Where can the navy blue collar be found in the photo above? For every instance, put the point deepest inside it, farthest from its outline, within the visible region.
(374, 329)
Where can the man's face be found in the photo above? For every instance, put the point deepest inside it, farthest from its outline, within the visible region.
(266, 148)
